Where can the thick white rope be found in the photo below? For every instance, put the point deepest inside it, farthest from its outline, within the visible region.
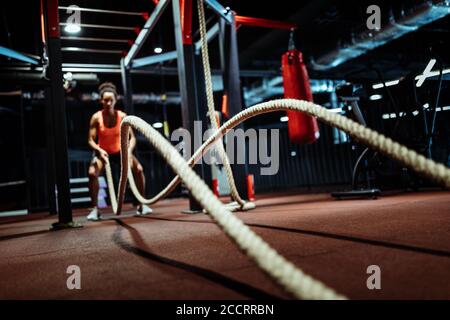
(112, 192)
(284, 272)
(416, 162)
(293, 279)
(212, 110)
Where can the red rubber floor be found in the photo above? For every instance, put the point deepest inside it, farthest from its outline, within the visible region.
(169, 255)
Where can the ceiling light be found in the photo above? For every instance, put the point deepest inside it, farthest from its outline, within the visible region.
(284, 119)
(375, 97)
(426, 73)
(72, 28)
(157, 125)
(387, 84)
(158, 50)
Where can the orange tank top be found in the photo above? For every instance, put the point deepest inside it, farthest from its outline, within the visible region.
(109, 138)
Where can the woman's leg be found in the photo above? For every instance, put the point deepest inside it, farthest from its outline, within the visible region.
(139, 178)
(95, 169)
(138, 174)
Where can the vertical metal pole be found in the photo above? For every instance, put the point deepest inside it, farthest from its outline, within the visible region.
(51, 174)
(26, 171)
(127, 88)
(187, 80)
(58, 112)
(232, 88)
(203, 112)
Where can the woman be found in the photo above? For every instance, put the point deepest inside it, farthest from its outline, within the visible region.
(105, 129)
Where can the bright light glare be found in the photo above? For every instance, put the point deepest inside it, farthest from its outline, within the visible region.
(72, 28)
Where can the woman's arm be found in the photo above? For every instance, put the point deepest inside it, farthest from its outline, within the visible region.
(92, 136)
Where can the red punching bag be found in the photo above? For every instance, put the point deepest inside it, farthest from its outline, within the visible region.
(302, 127)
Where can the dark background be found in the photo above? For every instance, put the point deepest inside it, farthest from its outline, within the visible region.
(323, 25)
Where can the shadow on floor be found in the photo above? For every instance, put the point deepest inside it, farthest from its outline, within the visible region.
(22, 235)
(287, 203)
(239, 287)
(372, 242)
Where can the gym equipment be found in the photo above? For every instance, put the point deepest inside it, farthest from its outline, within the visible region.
(345, 92)
(302, 128)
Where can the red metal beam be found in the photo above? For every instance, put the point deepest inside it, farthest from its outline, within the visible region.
(264, 23)
(53, 19)
(186, 20)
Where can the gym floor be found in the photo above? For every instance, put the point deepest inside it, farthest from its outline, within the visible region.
(170, 255)
(297, 72)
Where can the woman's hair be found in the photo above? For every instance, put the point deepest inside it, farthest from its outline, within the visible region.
(107, 87)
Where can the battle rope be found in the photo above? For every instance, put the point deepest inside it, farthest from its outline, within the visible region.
(212, 110)
(284, 272)
(411, 159)
(294, 280)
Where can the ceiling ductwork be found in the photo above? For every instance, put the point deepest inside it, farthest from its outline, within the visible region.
(368, 40)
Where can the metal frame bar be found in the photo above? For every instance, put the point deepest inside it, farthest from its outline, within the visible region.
(100, 26)
(172, 55)
(263, 23)
(127, 87)
(220, 10)
(146, 61)
(186, 20)
(189, 90)
(103, 11)
(210, 35)
(186, 24)
(96, 39)
(145, 32)
(115, 68)
(232, 88)
(78, 49)
(91, 65)
(17, 55)
(56, 117)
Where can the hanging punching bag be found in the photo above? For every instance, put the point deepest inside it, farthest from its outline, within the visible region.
(303, 128)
